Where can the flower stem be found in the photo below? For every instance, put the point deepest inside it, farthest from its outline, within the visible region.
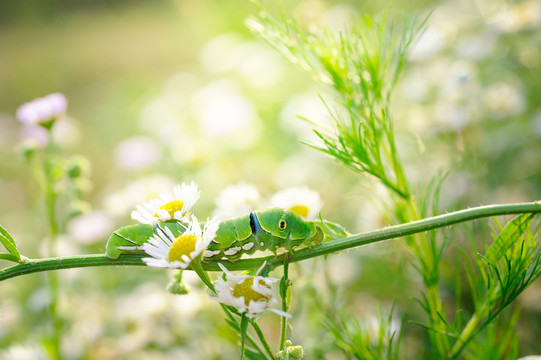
(262, 338)
(196, 266)
(284, 285)
(232, 319)
(46, 178)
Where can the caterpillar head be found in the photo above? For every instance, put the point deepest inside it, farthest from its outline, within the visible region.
(286, 225)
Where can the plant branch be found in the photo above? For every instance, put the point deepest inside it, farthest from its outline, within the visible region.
(38, 265)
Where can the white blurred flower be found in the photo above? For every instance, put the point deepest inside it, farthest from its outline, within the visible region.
(90, 227)
(43, 110)
(167, 115)
(66, 132)
(301, 167)
(415, 86)
(168, 206)
(476, 47)
(10, 317)
(516, 17)
(250, 295)
(304, 202)
(19, 352)
(504, 99)
(226, 114)
(222, 110)
(310, 106)
(451, 116)
(219, 55)
(137, 153)
(35, 134)
(167, 251)
(460, 82)
(236, 200)
(142, 190)
(340, 17)
(260, 67)
(430, 43)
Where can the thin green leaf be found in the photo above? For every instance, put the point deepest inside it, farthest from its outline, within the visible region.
(9, 257)
(510, 234)
(9, 243)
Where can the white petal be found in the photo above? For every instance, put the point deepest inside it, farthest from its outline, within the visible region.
(280, 312)
(155, 262)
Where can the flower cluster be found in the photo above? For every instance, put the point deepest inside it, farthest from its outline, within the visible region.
(250, 295)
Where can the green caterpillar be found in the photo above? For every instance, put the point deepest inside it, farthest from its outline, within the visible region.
(262, 230)
(269, 229)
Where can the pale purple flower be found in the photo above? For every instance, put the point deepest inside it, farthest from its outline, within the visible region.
(42, 110)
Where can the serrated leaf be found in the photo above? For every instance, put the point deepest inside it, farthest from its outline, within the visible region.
(511, 233)
(128, 239)
(9, 243)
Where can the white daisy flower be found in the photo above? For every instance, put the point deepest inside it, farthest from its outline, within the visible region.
(236, 200)
(169, 251)
(302, 201)
(43, 111)
(250, 295)
(172, 206)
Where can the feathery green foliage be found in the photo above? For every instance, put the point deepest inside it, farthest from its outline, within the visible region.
(362, 66)
(365, 341)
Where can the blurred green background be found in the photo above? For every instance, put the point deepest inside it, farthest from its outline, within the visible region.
(167, 91)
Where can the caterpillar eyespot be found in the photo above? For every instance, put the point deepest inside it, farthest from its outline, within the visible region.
(282, 224)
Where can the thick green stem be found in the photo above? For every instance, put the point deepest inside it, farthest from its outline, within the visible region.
(38, 265)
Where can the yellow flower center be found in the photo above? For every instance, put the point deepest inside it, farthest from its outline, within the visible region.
(300, 210)
(245, 289)
(172, 207)
(183, 245)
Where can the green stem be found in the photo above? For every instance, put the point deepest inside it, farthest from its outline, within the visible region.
(248, 337)
(50, 206)
(262, 338)
(38, 265)
(435, 308)
(283, 294)
(465, 336)
(196, 266)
